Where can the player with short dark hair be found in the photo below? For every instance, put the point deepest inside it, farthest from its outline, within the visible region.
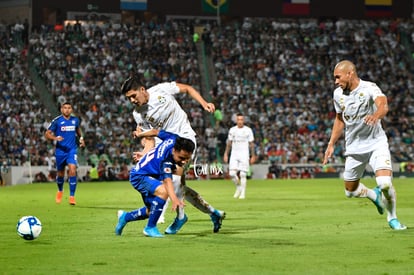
(152, 177)
(157, 108)
(64, 130)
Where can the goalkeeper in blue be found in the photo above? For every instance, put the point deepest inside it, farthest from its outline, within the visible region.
(152, 177)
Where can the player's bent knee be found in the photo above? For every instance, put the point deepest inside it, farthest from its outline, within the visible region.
(161, 192)
(384, 182)
(232, 173)
(243, 174)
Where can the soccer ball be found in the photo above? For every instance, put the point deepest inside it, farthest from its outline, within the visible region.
(29, 227)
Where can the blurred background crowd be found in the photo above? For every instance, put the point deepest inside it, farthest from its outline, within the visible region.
(278, 73)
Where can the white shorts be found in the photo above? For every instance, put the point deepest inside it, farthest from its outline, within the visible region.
(355, 164)
(239, 164)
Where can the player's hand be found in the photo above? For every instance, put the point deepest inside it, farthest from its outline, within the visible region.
(370, 120)
(253, 159)
(59, 138)
(177, 203)
(210, 107)
(328, 153)
(81, 142)
(225, 158)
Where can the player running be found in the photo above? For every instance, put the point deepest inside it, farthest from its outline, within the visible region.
(360, 105)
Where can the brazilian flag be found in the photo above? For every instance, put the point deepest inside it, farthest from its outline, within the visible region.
(211, 6)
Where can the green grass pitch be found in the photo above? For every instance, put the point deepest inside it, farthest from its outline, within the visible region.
(282, 227)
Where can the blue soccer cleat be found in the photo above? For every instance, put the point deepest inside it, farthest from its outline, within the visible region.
(396, 225)
(217, 218)
(176, 225)
(378, 200)
(152, 232)
(121, 222)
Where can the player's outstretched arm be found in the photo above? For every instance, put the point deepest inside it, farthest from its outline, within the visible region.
(207, 106)
(149, 133)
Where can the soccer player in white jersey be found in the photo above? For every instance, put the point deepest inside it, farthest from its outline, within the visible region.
(157, 108)
(241, 142)
(360, 105)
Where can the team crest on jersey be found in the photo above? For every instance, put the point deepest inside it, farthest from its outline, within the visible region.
(361, 97)
(342, 103)
(161, 99)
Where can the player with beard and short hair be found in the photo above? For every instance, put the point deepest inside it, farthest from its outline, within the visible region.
(64, 130)
(360, 105)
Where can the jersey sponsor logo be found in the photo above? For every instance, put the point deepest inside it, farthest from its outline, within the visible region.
(161, 99)
(68, 128)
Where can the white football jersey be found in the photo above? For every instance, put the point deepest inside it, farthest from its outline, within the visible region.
(240, 138)
(360, 137)
(163, 112)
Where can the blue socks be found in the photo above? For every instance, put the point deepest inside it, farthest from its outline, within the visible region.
(60, 181)
(135, 215)
(157, 206)
(72, 185)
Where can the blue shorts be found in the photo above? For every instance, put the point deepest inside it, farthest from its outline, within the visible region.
(146, 185)
(63, 159)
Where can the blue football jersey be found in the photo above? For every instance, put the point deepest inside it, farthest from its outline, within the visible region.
(65, 128)
(158, 162)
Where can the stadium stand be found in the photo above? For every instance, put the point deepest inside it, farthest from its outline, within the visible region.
(277, 72)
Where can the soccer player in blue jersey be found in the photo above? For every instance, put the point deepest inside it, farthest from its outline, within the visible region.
(157, 108)
(64, 130)
(152, 177)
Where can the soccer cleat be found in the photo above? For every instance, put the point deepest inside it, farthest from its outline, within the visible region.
(152, 232)
(396, 225)
(217, 218)
(378, 200)
(72, 200)
(176, 225)
(121, 222)
(59, 196)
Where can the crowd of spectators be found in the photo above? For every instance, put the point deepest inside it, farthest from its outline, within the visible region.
(278, 73)
(22, 115)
